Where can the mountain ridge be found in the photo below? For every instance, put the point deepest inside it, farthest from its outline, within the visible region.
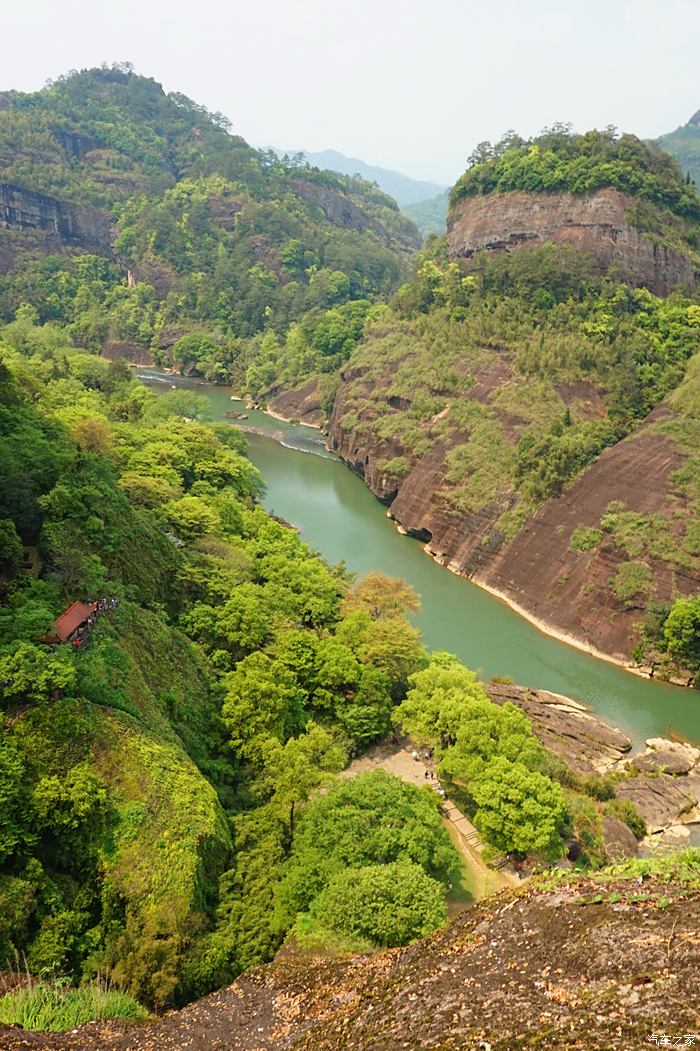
(403, 188)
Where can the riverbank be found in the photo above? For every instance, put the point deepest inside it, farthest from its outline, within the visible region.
(542, 625)
(338, 516)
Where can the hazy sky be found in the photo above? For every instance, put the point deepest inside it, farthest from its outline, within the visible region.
(409, 85)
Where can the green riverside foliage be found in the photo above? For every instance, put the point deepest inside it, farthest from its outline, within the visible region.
(489, 751)
(157, 781)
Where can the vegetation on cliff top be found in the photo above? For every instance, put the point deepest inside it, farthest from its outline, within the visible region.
(560, 160)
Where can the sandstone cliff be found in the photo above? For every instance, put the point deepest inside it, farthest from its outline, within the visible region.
(538, 566)
(48, 224)
(597, 224)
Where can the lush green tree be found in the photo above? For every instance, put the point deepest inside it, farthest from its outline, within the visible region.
(295, 769)
(15, 811)
(262, 701)
(11, 550)
(31, 674)
(71, 814)
(373, 818)
(385, 905)
(242, 624)
(682, 631)
(440, 701)
(365, 714)
(489, 731)
(519, 811)
(390, 644)
(26, 618)
(190, 517)
(381, 596)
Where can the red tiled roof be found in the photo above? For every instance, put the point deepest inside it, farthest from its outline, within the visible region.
(72, 618)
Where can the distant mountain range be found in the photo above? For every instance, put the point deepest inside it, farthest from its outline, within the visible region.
(430, 216)
(402, 188)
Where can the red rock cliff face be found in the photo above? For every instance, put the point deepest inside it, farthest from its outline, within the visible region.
(565, 590)
(593, 223)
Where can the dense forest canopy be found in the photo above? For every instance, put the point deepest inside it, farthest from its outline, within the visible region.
(559, 160)
(222, 242)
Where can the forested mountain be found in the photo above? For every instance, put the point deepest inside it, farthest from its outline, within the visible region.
(533, 415)
(104, 176)
(684, 145)
(402, 188)
(430, 216)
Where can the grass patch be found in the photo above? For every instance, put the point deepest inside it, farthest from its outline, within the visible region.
(50, 1007)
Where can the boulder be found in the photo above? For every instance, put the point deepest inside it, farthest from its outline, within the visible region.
(619, 840)
(661, 800)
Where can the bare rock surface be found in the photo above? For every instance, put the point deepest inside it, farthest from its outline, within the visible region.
(595, 223)
(303, 404)
(619, 840)
(565, 727)
(571, 968)
(57, 223)
(661, 800)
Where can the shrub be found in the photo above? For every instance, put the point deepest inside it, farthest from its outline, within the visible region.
(598, 787)
(384, 904)
(633, 580)
(627, 812)
(585, 539)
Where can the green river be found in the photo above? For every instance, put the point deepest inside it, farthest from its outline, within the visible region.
(339, 517)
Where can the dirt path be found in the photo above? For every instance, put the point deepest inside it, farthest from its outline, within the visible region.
(479, 879)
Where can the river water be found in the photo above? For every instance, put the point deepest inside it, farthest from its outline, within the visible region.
(339, 517)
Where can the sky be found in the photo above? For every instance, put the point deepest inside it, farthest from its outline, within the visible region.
(409, 85)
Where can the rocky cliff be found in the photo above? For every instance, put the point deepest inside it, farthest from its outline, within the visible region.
(585, 966)
(597, 224)
(540, 568)
(53, 225)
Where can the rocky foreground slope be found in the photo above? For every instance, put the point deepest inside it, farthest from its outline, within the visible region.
(608, 964)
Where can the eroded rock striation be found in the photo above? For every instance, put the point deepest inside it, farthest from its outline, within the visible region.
(55, 224)
(595, 223)
(567, 728)
(538, 571)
